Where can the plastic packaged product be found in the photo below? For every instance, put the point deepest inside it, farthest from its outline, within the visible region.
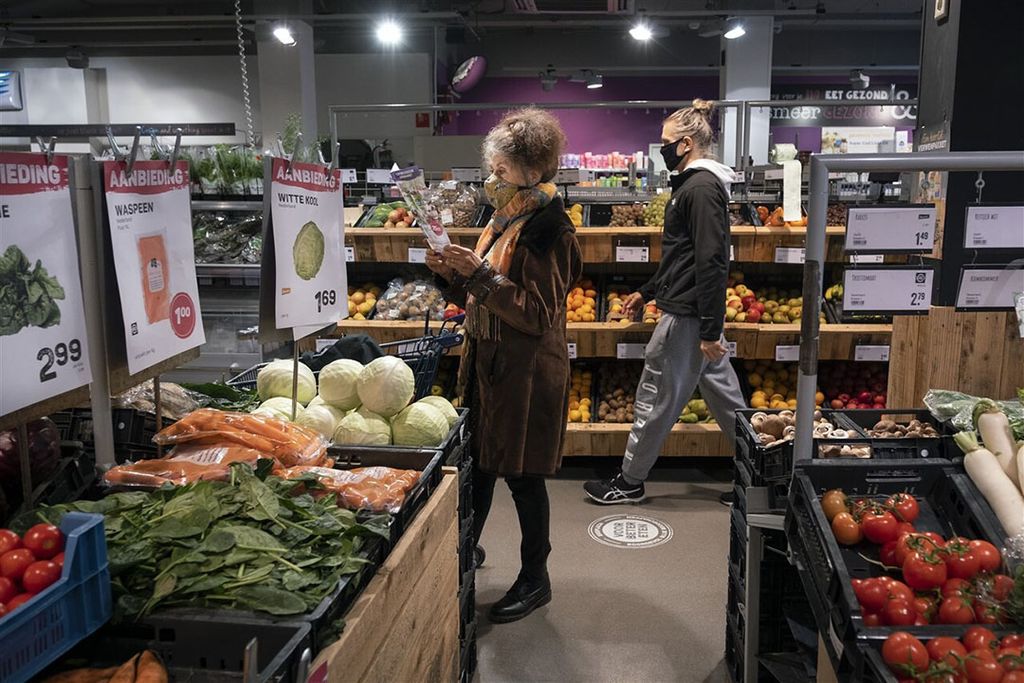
(415, 300)
(455, 202)
(412, 185)
(155, 285)
(286, 442)
(185, 465)
(175, 401)
(378, 489)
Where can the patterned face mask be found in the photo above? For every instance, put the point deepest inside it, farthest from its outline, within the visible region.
(499, 192)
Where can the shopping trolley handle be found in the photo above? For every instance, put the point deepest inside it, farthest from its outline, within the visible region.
(449, 339)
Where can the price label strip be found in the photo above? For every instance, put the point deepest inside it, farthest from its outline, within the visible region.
(466, 175)
(627, 351)
(994, 227)
(417, 255)
(891, 228)
(43, 345)
(869, 352)
(309, 277)
(632, 254)
(322, 344)
(789, 254)
(150, 219)
(989, 288)
(887, 290)
(787, 353)
(377, 176)
(867, 258)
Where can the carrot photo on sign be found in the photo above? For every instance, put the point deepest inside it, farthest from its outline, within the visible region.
(155, 285)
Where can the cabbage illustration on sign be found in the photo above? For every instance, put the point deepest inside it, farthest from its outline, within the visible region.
(308, 251)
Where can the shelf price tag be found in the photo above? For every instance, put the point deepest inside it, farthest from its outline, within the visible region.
(994, 227)
(867, 258)
(626, 351)
(632, 254)
(731, 349)
(870, 352)
(905, 290)
(348, 176)
(43, 345)
(787, 353)
(572, 350)
(378, 176)
(732, 252)
(322, 344)
(350, 254)
(991, 288)
(466, 175)
(891, 228)
(308, 256)
(417, 255)
(789, 254)
(150, 220)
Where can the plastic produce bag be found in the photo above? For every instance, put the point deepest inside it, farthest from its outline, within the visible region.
(175, 401)
(958, 409)
(453, 201)
(412, 185)
(285, 442)
(410, 301)
(185, 465)
(378, 489)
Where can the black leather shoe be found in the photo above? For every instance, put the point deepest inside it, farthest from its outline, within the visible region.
(479, 556)
(521, 599)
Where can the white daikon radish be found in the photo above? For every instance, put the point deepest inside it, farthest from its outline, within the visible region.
(997, 436)
(1020, 462)
(988, 475)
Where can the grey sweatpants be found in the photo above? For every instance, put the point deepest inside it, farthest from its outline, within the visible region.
(673, 367)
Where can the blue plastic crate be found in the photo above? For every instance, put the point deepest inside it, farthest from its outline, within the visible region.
(37, 634)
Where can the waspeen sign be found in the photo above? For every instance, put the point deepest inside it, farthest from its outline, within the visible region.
(870, 107)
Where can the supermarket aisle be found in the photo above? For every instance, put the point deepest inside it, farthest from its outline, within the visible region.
(647, 615)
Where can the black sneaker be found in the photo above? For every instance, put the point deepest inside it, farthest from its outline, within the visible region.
(727, 498)
(614, 491)
(479, 555)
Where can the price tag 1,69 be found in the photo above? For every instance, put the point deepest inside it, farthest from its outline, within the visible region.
(871, 352)
(632, 254)
(904, 290)
(626, 351)
(994, 227)
(417, 255)
(787, 354)
(891, 228)
(571, 347)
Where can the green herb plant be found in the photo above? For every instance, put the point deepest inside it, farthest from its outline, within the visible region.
(28, 294)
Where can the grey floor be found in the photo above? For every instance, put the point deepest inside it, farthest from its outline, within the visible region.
(617, 615)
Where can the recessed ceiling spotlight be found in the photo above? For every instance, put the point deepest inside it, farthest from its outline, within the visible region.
(389, 32)
(642, 32)
(284, 35)
(734, 29)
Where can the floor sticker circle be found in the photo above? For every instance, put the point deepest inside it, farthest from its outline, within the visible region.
(630, 531)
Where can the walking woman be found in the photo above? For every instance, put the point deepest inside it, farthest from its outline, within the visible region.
(514, 375)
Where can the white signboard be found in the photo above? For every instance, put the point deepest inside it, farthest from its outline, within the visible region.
(43, 348)
(466, 175)
(150, 219)
(311, 279)
(994, 227)
(890, 228)
(348, 176)
(628, 351)
(378, 176)
(632, 254)
(857, 139)
(887, 289)
(789, 254)
(989, 287)
(417, 255)
(787, 354)
(870, 352)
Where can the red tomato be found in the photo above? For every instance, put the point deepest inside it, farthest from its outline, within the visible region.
(905, 528)
(902, 651)
(987, 613)
(924, 573)
(961, 562)
(13, 563)
(879, 526)
(39, 576)
(979, 638)
(910, 543)
(925, 607)
(936, 539)
(44, 540)
(846, 529)
(946, 649)
(7, 589)
(899, 613)
(3, 610)
(900, 591)
(9, 541)
(955, 587)
(1010, 658)
(1012, 640)
(1013, 677)
(1002, 586)
(872, 595)
(58, 560)
(982, 667)
(955, 610)
(872, 619)
(987, 554)
(905, 506)
(887, 555)
(17, 601)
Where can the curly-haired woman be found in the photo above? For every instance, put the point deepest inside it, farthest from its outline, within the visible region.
(514, 375)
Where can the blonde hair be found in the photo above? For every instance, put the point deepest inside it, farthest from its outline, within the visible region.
(694, 121)
(531, 138)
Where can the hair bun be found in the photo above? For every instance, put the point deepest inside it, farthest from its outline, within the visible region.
(703, 107)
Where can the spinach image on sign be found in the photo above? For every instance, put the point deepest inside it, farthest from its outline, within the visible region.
(28, 295)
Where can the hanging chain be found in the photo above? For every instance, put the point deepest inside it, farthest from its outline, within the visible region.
(250, 133)
(980, 185)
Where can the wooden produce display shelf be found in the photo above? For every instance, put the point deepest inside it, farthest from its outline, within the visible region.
(750, 244)
(601, 340)
(405, 625)
(686, 440)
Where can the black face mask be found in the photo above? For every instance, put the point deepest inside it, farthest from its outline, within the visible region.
(668, 153)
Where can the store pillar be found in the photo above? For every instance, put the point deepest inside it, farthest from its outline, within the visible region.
(287, 82)
(746, 74)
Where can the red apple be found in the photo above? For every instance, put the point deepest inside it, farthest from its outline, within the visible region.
(880, 398)
(879, 406)
(735, 303)
(757, 306)
(864, 397)
(747, 301)
(844, 397)
(753, 315)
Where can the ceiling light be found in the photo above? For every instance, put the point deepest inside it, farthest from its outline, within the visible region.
(594, 81)
(734, 29)
(548, 79)
(389, 32)
(641, 32)
(284, 35)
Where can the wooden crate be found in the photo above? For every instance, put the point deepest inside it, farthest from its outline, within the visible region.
(699, 440)
(405, 625)
(977, 353)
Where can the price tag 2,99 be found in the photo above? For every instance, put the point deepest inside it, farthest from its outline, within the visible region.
(994, 227)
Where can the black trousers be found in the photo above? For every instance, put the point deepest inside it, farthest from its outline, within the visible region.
(531, 498)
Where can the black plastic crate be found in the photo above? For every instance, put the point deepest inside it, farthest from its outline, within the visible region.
(75, 473)
(203, 652)
(734, 647)
(947, 506)
(453, 443)
(466, 547)
(774, 464)
(468, 654)
(894, 448)
(740, 500)
(467, 598)
(465, 491)
(738, 545)
(74, 424)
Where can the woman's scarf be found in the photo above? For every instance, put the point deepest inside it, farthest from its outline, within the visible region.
(497, 245)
